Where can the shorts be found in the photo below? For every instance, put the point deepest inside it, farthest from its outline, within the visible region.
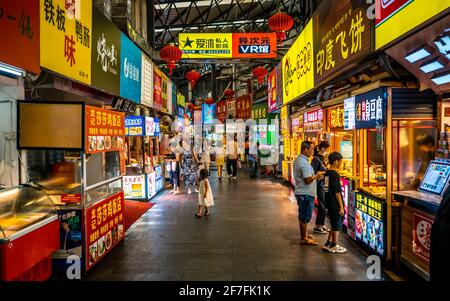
(335, 220)
(305, 207)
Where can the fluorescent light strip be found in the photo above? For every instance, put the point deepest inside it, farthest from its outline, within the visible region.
(417, 55)
(11, 70)
(431, 66)
(441, 79)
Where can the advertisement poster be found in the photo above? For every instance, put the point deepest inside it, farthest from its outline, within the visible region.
(272, 90)
(421, 236)
(369, 223)
(298, 66)
(370, 109)
(66, 38)
(147, 81)
(105, 130)
(104, 227)
(209, 113)
(134, 126)
(150, 126)
(134, 187)
(206, 45)
(342, 35)
(394, 18)
(349, 113)
(20, 34)
(130, 74)
(244, 107)
(157, 89)
(222, 110)
(105, 54)
(70, 234)
(255, 45)
(151, 185)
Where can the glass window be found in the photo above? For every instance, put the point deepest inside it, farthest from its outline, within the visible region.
(101, 192)
(101, 167)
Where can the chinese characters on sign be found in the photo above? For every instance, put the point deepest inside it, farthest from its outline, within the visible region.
(134, 126)
(104, 227)
(370, 109)
(336, 117)
(349, 113)
(421, 236)
(252, 45)
(342, 34)
(157, 89)
(231, 108)
(259, 111)
(19, 23)
(105, 130)
(130, 75)
(66, 34)
(313, 116)
(272, 90)
(134, 187)
(244, 107)
(222, 110)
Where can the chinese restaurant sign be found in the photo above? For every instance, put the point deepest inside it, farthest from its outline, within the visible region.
(105, 54)
(134, 126)
(298, 66)
(222, 110)
(181, 100)
(369, 226)
(104, 227)
(272, 90)
(66, 37)
(231, 108)
(284, 120)
(244, 107)
(313, 116)
(370, 109)
(254, 45)
(421, 236)
(157, 89)
(394, 18)
(130, 74)
(147, 81)
(259, 111)
(336, 117)
(342, 34)
(19, 23)
(104, 130)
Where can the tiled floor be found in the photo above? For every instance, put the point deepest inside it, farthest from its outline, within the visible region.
(252, 234)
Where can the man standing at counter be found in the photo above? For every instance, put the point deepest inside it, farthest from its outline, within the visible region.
(305, 190)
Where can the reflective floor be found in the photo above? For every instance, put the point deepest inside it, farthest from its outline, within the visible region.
(252, 234)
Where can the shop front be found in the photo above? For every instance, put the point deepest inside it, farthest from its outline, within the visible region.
(314, 125)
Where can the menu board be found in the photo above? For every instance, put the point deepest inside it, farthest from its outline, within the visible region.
(436, 177)
(349, 113)
(104, 227)
(105, 130)
(134, 126)
(150, 126)
(134, 187)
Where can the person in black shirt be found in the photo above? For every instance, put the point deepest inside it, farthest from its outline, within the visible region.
(319, 164)
(334, 203)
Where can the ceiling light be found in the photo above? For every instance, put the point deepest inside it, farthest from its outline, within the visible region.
(419, 54)
(441, 79)
(11, 70)
(432, 65)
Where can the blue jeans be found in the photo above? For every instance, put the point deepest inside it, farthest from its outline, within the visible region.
(305, 207)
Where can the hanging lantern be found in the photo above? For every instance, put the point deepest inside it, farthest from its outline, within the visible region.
(228, 93)
(260, 73)
(209, 101)
(280, 23)
(171, 54)
(193, 76)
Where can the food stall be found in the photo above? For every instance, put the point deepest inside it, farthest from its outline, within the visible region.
(286, 165)
(143, 171)
(72, 153)
(314, 125)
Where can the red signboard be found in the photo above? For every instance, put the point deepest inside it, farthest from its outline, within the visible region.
(19, 35)
(244, 107)
(313, 116)
(254, 45)
(422, 236)
(104, 227)
(157, 90)
(222, 110)
(272, 90)
(231, 108)
(387, 8)
(70, 198)
(105, 130)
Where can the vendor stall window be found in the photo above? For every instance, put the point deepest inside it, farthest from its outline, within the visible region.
(342, 142)
(102, 167)
(414, 146)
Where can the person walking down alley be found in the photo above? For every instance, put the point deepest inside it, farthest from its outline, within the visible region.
(174, 163)
(220, 156)
(305, 190)
(232, 157)
(334, 203)
(205, 158)
(253, 158)
(319, 164)
(205, 195)
(190, 169)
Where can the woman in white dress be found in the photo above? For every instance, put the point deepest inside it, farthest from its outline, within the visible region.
(205, 196)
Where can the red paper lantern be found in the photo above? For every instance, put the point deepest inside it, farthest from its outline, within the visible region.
(171, 54)
(209, 101)
(260, 73)
(279, 23)
(229, 93)
(193, 76)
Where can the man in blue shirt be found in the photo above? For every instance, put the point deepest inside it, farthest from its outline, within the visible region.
(305, 190)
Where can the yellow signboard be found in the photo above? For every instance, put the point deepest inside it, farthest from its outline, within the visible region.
(66, 37)
(298, 66)
(206, 45)
(284, 120)
(395, 20)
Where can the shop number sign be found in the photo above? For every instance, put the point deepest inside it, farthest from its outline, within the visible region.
(104, 227)
(336, 117)
(422, 236)
(105, 130)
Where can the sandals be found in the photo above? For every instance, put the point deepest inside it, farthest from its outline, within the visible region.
(308, 242)
(197, 215)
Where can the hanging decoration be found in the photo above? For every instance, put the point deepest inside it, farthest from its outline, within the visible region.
(260, 72)
(229, 93)
(193, 76)
(209, 101)
(171, 54)
(280, 23)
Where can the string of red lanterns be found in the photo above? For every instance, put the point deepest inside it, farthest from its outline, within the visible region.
(229, 93)
(260, 72)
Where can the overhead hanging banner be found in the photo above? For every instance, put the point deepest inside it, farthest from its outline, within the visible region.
(254, 45)
(396, 18)
(66, 38)
(105, 54)
(298, 66)
(244, 107)
(157, 89)
(130, 74)
(19, 23)
(272, 90)
(343, 34)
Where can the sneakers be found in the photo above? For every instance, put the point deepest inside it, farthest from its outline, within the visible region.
(234, 178)
(196, 190)
(320, 230)
(189, 191)
(336, 249)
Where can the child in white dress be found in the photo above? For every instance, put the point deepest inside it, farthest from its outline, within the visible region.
(205, 196)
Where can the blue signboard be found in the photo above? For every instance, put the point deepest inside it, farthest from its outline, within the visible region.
(370, 109)
(157, 126)
(130, 71)
(134, 126)
(209, 113)
(180, 111)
